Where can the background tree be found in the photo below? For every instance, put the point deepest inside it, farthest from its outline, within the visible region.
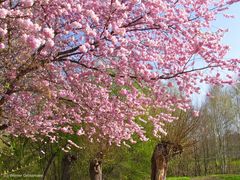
(216, 149)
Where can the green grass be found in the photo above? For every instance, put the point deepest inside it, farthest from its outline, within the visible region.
(178, 178)
(211, 177)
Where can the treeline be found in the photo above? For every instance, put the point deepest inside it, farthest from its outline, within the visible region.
(217, 147)
(210, 144)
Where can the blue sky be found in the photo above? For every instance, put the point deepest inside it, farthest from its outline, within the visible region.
(231, 38)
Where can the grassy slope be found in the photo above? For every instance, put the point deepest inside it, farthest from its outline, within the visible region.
(212, 177)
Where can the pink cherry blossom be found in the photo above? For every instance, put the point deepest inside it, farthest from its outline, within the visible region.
(2, 46)
(48, 32)
(83, 48)
(100, 65)
(3, 12)
(3, 32)
(27, 3)
(33, 42)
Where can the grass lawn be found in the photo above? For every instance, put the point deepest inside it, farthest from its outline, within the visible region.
(178, 178)
(211, 177)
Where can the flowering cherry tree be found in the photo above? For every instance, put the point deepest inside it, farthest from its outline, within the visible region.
(98, 65)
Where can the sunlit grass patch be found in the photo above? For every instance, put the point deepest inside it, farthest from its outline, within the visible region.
(210, 177)
(178, 178)
(218, 177)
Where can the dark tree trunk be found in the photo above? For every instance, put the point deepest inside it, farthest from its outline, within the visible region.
(66, 166)
(95, 168)
(48, 165)
(159, 163)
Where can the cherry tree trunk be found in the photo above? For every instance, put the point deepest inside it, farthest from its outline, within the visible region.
(95, 169)
(159, 162)
(66, 166)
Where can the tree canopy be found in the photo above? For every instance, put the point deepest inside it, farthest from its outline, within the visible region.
(92, 67)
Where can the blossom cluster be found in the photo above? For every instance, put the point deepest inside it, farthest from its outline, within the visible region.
(95, 66)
